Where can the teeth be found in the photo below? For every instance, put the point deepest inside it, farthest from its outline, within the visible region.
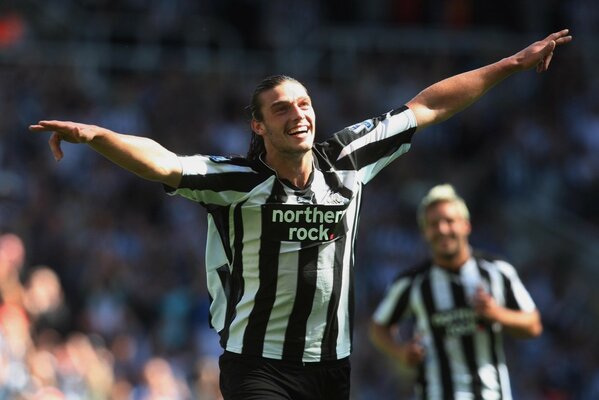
(299, 130)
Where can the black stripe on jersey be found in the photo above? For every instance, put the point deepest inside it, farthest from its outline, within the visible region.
(295, 335)
(351, 298)
(268, 266)
(468, 346)
(236, 286)
(225, 280)
(401, 306)
(510, 298)
(210, 300)
(493, 336)
(331, 330)
(398, 110)
(429, 304)
(485, 276)
(484, 273)
(220, 216)
(332, 179)
(236, 181)
(402, 303)
(422, 384)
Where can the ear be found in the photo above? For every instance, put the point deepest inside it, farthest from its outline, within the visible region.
(257, 127)
(468, 226)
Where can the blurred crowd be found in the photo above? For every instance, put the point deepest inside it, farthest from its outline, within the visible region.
(102, 281)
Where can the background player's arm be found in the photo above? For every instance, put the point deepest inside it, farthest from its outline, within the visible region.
(142, 156)
(449, 96)
(521, 324)
(383, 338)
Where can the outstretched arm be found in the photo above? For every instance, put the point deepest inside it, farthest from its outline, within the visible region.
(443, 99)
(142, 156)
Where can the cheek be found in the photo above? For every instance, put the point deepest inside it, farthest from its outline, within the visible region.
(428, 234)
(462, 230)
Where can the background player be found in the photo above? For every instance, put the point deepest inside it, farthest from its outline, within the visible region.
(460, 302)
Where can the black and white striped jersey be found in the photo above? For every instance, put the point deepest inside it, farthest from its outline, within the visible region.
(464, 354)
(279, 259)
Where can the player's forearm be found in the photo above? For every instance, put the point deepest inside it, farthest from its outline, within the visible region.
(140, 155)
(382, 339)
(520, 324)
(443, 99)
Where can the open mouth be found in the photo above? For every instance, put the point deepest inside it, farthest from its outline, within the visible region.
(298, 131)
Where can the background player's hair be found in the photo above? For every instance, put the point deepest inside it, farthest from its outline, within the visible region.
(255, 111)
(439, 193)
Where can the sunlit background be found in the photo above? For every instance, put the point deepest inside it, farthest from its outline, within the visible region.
(108, 299)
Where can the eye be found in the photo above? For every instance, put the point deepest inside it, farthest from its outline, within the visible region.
(305, 104)
(280, 109)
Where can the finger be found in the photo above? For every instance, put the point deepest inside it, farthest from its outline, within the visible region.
(54, 143)
(563, 40)
(547, 61)
(543, 63)
(559, 34)
(561, 37)
(44, 126)
(36, 128)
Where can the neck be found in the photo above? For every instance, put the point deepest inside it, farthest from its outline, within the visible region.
(295, 168)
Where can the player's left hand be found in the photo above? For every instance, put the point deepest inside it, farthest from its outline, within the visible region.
(539, 54)
(485, 305)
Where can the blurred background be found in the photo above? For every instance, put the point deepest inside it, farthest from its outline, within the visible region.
(102, 275)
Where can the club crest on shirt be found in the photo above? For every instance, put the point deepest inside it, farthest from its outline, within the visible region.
(366, 126)
(335, 198)
(219, 159)
(313, 223)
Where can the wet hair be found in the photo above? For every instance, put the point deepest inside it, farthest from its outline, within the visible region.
(440, 193)
(255, 111)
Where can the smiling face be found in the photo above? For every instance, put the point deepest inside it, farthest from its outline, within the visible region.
(446, 230)
(288, 120)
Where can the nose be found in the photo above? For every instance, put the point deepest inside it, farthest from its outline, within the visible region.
(443, 227)
(297, 111)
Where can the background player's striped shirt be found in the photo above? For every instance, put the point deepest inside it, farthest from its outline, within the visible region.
(279, 259)
(464, 354)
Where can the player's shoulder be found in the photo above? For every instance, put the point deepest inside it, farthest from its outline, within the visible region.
(415, 270)
(493, 259)
(484, 255)
(239, 164)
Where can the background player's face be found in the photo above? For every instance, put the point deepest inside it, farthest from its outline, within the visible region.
(446, 230)
(288, 122)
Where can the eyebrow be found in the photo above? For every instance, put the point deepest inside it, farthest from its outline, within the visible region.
(284, 102)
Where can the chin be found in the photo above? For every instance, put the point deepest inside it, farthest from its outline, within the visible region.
(447, 253)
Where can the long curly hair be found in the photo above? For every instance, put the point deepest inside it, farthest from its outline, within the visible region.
(255, 112)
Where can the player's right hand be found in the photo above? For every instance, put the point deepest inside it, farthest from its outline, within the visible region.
(71, 132)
